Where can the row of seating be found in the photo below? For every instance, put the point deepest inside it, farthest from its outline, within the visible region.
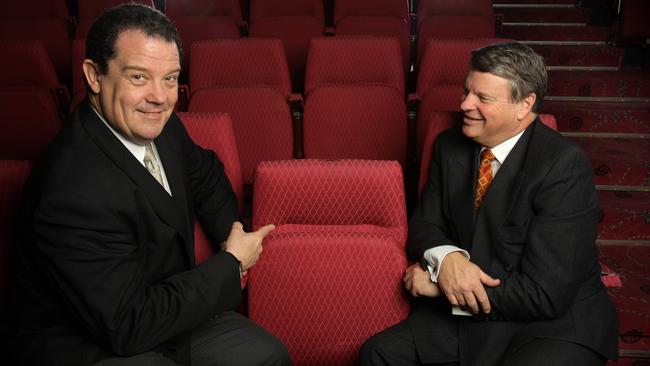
(354, 105)
(295, 22)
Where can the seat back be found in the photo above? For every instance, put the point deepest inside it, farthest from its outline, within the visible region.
(249, 80)
(441, 77)
(354, 100)
(34, 9)
(28, 65)
(214, 132)
(203, 8)
(89, 10)
(295, 22)
(13, 174)
(453, 19)
(309, 287)
(332, 193)
(388, 18)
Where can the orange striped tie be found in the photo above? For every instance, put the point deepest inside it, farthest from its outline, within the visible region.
(484, 176)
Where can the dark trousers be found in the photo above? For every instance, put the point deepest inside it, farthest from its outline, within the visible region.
(395, 346)
(227, 340)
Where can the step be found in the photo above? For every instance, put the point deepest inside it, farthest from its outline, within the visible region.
(617, 161)
(585, 56)
(599, 118)
(544, 15)
(632, 300)
(608, 84)
(625, 215)
(555, 33)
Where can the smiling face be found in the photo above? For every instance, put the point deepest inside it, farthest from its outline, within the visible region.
(489, 116)
(138, 93)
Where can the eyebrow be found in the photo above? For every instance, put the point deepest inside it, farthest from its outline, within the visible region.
(139, 68)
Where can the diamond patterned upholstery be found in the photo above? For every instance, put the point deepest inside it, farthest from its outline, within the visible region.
(375, 17)
(214, 132)
(330, 274)
(441, 77)
(324, 293)
(12, 177)
(249, 80)
(354, 100)
(325, 192)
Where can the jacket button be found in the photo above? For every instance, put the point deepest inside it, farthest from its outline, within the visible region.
(508, 267)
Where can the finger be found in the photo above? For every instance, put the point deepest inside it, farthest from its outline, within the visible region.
(452, 300)
(483, 300)
(264, 230)
(237, 226)
(470, 302)
(489, 281)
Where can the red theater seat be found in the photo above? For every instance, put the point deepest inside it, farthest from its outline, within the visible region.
(388, 18)
(249, 80)
(354, 99)
(44, 20)
(214, 132)
(295, 22)
(330, 274)
(453, 19)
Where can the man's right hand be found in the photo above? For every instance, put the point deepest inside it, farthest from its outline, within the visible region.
(462, 282)
(246, 247)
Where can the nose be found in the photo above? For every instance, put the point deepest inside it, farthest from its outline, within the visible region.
(467, 102)
(156, 94)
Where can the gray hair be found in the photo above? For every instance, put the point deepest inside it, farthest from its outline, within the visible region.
(516, 63)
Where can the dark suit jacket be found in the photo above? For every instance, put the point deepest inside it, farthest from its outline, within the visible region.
(105, 263)
(536, 231)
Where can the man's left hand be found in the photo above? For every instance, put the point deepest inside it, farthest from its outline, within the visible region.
(418, 282)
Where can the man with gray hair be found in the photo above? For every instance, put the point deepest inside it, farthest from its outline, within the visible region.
(503, 237)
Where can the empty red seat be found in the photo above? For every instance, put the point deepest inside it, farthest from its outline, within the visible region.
(249, 80)
(295, 22)
(90, 9)
(330, 274)
(31, 99)
(12, 178)
(354, 99)
(214, 132)
(441, 78)
(375, 17)
(453, 19)
(44, 20)
(199, 20)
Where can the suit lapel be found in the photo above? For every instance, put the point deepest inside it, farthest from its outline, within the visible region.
(499, 199)
(462, 179)
(168, 208)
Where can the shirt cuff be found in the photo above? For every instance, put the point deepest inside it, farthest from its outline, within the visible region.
(434, 257)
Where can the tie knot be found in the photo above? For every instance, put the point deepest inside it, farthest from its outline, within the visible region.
(487, 157)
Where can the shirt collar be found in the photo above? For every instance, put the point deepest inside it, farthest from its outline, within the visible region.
(502, 150)
(136, 150)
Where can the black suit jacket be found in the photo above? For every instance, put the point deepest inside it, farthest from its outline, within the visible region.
(535, 231)
(105, 261)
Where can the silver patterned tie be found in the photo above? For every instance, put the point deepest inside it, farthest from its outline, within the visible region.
(151, 163)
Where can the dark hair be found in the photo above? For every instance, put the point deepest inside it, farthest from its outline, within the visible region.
(101, 38)
(516, 63)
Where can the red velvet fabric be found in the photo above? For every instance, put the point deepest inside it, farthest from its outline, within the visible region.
(26, 63)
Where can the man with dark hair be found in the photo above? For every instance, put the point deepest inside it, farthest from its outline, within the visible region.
(105, 271)
(503, 237)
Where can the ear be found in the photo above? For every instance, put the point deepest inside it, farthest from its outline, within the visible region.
(526, 106)
(92, 74)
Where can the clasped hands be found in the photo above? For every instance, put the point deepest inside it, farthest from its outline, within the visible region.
(460, 280)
